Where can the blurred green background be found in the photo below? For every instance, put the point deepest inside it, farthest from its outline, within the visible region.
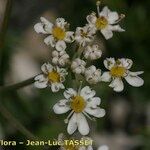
(27, 112)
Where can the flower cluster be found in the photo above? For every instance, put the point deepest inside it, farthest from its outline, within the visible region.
(82, 103)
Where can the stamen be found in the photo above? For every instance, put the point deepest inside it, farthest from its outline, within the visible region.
(92, 119)
(67, 119)
(122, 16)
(79, 90)
(98, 3)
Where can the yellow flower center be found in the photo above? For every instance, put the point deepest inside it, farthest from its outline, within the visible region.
(83, 34)
(58, 33)
(78, 104)
(54, 76)
(101, 23)
(117, 71)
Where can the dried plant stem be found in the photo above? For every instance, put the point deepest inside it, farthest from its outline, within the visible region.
(17, 86)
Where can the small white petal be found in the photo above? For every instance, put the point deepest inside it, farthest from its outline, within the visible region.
(96, 112)
(50, 41)
(72, 125)
(46, 25)
(106, 77)
(127, 63)
(39, 28)
(87, 93)
(46, 68)
(105, 12)
(115, 28)
(69, 93)
(60, 22)
(109, 63)
(61, 107)
(93, 102)
(113, 17)
(82, 124)
(135, 81)
(40, 81)
(91, 18)
(117, 85)
(40, 85)
(69, 37)
(107, 33)
(55, 87)
(60, 45)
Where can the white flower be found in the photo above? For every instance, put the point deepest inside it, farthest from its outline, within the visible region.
(79, 104)
(106, 22)
(92, 75)
(57, 34)
(51, 76)
(60, 58)
(120, 69)
(92, 52)
(78, 66)
(84, 35)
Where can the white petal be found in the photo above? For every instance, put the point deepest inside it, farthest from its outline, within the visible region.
(109, 63)
(107, 33)
(116, 28)
(96, 112)
(93, 102)
(105, 12)
(69, 93)
(72, 125)
(87, 93)
(117, 85)
(46, 68)
(127, 63)
(50, 41)
(113, 17)
(40, 85)
(69, 37)
(106, 77)
(134, 80)
(82, 124)
(39, 28)
(91, 18)
(40, 81)
(61, 107)
(60, 45)
(47, 25)
(60, 22)
(55, 87)
(136, 73)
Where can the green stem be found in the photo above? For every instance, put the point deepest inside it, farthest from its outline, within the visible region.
(3, 29)
(15, 122)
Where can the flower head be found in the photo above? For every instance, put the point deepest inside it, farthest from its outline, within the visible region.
(119, 69)
(92, 52)
(92, 75)
(84, 35)
(60, 58)
(57, 34)
(79, 104)
(106, 21)
(78, 66)
(51, 76)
